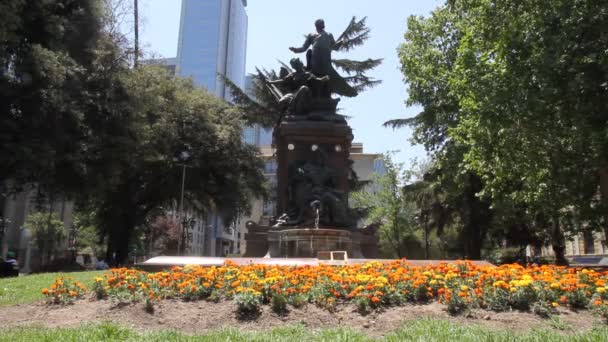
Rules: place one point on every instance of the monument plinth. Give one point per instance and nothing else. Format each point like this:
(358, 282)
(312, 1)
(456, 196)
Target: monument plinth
(314, 170)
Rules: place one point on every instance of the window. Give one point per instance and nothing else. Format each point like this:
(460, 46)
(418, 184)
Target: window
(270, 166)
(589, 241)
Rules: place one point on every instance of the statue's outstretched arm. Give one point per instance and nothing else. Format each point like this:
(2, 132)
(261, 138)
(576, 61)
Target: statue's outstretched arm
(304, 47)
(320, 79)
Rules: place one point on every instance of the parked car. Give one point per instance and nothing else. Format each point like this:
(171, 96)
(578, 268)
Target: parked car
(8, 269)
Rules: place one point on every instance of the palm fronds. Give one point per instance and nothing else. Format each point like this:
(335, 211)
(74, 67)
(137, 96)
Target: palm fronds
(399, 123)
(355, 34)
(349, 66)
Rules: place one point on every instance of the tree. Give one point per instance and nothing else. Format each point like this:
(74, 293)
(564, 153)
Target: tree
(165, 117)
(86, 232)
(540, 130)
(428, 58)
(164, 234)
(46, 50)
(432, 211)
(387, 207)
(515, 87)
(47, 231)
(263, 108)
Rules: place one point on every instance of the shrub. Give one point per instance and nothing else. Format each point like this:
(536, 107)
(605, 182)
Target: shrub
(64, 291)
(298, 300)
(248, 302)
(278, 303)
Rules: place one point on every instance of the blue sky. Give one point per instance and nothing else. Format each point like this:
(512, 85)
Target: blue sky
(274, 25)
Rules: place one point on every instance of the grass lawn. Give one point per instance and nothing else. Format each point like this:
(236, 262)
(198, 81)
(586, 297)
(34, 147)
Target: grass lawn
(421, 330)
(26, 289)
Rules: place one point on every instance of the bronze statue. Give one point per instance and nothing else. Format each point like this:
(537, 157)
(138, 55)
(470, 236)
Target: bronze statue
(312, 185)
(299, 86)
(319, 61)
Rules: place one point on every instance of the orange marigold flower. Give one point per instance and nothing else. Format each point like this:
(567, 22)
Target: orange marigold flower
(45, 291)
(375, 300)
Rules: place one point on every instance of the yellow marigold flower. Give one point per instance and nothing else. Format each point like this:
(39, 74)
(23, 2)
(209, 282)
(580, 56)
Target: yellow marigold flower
(600, 290)
(554, 286)
(554, 304)
(464, 288)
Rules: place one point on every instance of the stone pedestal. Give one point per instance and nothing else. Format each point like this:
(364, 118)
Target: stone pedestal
(307, 242)
(256, 239)
(312, 193)
(298, 141)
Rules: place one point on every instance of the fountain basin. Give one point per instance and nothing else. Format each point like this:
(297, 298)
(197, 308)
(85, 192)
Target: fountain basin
(307, 242)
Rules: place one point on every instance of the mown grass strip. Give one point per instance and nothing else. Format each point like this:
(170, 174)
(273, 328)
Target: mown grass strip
(26, 289)
(420, 330)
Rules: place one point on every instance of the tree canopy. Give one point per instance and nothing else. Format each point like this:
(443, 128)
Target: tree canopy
(512, 96)
(81, 122)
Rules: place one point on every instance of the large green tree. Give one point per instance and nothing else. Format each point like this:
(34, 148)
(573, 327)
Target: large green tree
(428, 58)
(46, 51)
(518, 89)
(532, 78)
(168, 123)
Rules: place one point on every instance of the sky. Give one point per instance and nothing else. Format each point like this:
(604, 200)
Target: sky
(274, 25)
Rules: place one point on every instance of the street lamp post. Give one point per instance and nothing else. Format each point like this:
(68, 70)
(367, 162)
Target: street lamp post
(180, 210)
(183, 157)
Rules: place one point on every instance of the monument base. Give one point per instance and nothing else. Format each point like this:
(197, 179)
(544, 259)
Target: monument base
(307, 242)
(304, 242)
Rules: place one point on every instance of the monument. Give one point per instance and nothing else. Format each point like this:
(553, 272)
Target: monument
(314, 173)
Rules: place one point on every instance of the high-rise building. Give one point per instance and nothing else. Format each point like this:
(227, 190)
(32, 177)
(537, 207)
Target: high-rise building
(212, 40)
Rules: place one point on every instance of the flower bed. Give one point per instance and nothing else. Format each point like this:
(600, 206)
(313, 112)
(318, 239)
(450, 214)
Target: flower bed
(460, 285)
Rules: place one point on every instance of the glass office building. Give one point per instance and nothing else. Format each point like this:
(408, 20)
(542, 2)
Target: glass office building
(212, 40)
(256, 135)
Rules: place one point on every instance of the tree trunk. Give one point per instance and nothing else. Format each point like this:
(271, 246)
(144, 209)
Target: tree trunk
(426, 237)
(48, 244)
(604, 193)
(558, 242)
(478, 216)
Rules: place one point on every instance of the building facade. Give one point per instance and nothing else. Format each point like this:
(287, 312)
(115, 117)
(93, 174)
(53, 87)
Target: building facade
(584, 244)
